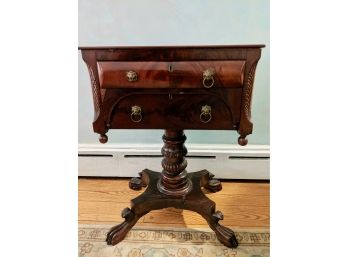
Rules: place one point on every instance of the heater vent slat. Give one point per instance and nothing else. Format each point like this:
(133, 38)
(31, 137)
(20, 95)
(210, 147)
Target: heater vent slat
(143, 156)
(201, 156)
(161, 156)
(95, 155)
(248, 157)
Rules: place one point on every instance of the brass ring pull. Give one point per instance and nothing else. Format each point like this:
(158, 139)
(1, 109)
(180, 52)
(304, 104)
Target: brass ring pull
(136, 114)
(208, 78)
(209, 85)
(132, 76)
(205, 116)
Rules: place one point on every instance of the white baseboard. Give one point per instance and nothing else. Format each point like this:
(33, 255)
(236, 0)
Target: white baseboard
(225, 161)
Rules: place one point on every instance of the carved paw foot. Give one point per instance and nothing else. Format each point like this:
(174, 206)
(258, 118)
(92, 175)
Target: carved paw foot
(225, 235)
(119, 232)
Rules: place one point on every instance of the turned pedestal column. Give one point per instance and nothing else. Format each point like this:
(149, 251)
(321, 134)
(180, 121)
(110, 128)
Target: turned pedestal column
(174, 181)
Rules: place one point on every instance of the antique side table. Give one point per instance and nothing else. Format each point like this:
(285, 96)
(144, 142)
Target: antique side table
(173, 88)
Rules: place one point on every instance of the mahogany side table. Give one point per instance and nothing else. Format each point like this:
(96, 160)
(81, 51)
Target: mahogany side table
(173, 88)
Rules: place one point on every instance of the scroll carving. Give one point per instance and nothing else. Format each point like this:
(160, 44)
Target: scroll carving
(248, 92)
(97, 97)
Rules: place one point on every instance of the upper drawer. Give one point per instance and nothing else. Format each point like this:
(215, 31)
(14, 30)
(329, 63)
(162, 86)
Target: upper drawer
(185, 74)
(207, 74)
(121, 74)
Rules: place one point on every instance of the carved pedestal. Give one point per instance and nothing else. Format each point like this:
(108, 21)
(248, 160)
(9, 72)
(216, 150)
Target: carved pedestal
(174, 187)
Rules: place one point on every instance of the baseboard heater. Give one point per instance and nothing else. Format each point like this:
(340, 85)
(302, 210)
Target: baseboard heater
(225, 161)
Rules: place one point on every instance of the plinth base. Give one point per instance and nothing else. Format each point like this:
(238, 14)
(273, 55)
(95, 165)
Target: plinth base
(195, 200)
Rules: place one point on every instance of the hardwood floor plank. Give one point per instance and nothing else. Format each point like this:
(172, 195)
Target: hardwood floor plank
(108, 196)
(243, 204)
(245, 216)
(101, 211)
(125, 197)
(121, 185)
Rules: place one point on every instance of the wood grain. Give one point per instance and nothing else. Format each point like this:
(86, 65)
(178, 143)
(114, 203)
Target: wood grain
(122, 92)
(179, 111)
(169, 69)
(150, 74)
(222, 198)
(121, 185)
(170, 74)
(244, 205)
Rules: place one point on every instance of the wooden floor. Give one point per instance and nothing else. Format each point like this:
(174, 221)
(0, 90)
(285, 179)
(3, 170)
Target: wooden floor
(244, 204)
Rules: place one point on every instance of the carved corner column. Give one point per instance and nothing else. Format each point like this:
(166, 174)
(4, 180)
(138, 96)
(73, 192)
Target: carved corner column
(174, 181)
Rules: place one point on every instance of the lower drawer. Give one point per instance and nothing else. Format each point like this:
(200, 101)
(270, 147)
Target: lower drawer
(175, 111)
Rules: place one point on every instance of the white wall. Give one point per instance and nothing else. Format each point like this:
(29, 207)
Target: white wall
(182, 22)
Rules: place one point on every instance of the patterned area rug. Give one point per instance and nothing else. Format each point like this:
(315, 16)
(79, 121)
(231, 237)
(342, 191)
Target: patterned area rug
(161, 242)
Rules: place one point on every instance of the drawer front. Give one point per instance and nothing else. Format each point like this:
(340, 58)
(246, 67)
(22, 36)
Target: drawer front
(147, 74)
(185, 74)
(208, 74)
(176, 111)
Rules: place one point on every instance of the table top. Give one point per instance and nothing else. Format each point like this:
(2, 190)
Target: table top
(169, 46)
